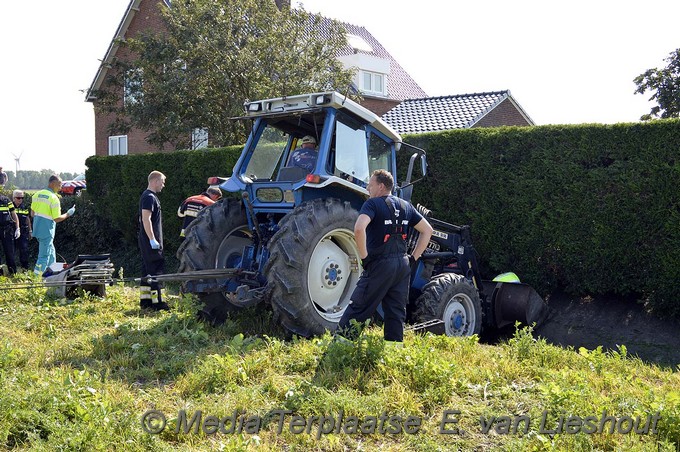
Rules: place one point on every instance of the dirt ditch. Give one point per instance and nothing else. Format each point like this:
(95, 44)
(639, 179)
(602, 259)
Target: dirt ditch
(610, 321)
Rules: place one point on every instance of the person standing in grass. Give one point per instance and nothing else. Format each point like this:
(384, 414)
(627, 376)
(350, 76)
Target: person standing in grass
(46, 213)
(9, 230)
(150, 240)
(380, 231)
(24, 227)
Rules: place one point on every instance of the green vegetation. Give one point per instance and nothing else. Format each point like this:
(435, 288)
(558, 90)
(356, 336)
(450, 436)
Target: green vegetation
(79, 375)
(116, 183)
(664, 85)
(592, 209)
(34, 180)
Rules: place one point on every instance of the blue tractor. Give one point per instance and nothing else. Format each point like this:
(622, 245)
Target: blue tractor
(289, 241)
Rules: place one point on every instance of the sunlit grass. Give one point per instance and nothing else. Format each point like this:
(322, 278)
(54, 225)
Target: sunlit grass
(79, 375)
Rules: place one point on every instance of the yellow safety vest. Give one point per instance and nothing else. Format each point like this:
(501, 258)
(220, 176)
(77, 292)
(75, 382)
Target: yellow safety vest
(45, 203)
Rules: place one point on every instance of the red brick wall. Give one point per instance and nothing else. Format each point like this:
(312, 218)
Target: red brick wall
(379, 106)
(147, 18)
(505, 114)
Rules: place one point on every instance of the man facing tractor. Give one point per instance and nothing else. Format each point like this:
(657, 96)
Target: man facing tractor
(380, 232)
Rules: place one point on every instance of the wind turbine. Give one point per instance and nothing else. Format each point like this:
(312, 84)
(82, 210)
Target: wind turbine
(17, 163)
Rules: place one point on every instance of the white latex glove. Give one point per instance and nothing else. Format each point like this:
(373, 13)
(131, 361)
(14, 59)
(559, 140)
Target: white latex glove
(17, 233)
(71, 211)
(154, 244)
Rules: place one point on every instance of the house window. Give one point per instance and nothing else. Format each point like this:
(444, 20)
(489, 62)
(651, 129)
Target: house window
(372, 82)
(199, 138)
(118, 145)
(132, 90)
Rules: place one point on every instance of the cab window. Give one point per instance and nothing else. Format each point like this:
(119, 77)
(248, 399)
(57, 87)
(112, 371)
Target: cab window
(267, 153)
(379, 154)
(351, 149)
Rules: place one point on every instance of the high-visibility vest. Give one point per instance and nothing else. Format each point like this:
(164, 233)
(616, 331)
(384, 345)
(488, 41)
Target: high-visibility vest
(45, 203)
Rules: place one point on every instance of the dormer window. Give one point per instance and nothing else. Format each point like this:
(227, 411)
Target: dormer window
(373, 82)
(358, 43)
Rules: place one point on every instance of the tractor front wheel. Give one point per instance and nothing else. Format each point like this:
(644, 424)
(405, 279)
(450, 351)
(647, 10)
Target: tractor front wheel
(451, 298)
(314, 266)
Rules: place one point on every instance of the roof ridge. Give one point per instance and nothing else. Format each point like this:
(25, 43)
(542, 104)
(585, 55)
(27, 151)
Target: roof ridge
(330, 19)
(450, 96)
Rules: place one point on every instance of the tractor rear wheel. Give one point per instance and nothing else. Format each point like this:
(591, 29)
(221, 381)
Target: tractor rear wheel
(314, 266)
(215, 239)
(451, 298)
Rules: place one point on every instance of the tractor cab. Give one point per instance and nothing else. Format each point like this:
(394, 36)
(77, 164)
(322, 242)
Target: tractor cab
(350, 143)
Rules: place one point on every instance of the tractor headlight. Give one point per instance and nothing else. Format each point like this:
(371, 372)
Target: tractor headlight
(322, 99)
(254, 107)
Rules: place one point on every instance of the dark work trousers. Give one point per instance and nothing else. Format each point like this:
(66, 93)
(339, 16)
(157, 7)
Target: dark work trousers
(8, 247)
(21, 244)
(385, 280)
(153, 263)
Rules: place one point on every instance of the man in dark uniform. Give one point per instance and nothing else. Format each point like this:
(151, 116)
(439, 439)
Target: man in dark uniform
(150, 242)
(380, 233)
(191, 206)
(9, 230)
(25, 231)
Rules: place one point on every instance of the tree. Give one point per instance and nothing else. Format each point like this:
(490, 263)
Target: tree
(214, 55)
(29, 179)
(665, 83)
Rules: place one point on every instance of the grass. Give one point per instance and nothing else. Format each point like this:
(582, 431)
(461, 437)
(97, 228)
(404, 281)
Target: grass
(79, 375)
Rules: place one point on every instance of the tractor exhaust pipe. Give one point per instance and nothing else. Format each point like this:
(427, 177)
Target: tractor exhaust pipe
(515, 302)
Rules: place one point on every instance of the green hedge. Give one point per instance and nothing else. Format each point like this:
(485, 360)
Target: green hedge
(114, 184)
(589, 208)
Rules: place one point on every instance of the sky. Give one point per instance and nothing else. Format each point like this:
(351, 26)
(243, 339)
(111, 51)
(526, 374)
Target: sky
(565, 62)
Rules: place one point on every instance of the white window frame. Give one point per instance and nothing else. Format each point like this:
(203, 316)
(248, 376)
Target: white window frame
(118, 145)
(373, 77)
(199, 138)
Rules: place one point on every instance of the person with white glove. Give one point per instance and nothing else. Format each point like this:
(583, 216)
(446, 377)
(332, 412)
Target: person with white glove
(46, 213)
(150, 241)
(24, 229)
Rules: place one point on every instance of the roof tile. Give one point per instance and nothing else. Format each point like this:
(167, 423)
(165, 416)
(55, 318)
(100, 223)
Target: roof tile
(432, 114)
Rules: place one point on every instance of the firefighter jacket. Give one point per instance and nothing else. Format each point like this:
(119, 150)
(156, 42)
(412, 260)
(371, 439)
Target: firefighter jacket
(191, 207)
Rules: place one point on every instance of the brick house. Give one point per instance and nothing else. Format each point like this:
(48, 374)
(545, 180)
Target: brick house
(463, 111)
(382, 82)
